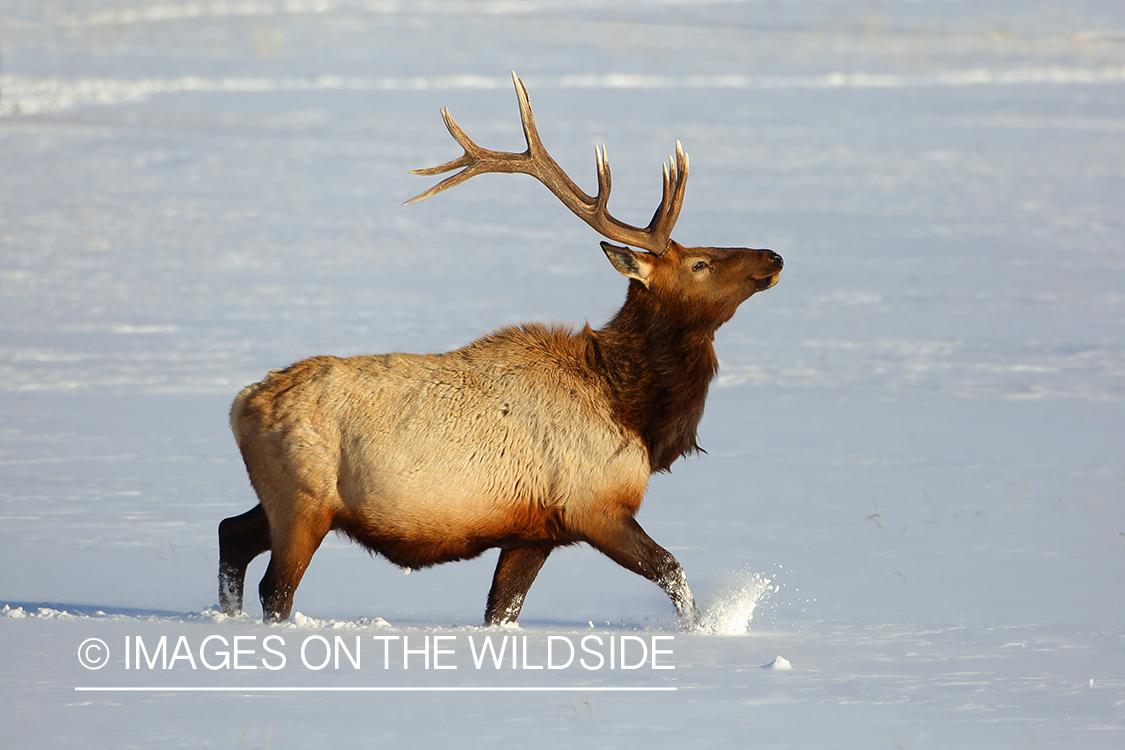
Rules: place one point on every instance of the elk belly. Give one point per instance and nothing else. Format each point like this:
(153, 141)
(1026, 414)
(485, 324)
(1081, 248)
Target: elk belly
(430, 515)
(424, 498)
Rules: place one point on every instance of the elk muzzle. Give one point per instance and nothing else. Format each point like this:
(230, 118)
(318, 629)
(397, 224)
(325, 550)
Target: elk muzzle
(767, 276)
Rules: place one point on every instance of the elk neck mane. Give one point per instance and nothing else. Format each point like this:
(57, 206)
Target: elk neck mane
(658, 369)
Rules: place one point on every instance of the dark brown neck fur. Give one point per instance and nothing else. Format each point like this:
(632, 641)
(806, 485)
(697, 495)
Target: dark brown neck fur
(658, 368)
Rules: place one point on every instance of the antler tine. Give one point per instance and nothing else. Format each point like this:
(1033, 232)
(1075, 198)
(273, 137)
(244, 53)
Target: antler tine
(467, 160)
(601, 156)
(671, 199)
(681, 186)
(462, 139)
(527, 118)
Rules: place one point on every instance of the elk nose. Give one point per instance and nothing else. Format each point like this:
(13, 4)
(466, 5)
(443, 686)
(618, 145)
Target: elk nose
(777, 259)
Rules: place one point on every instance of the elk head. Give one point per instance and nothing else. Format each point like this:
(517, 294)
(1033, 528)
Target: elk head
(705, 284)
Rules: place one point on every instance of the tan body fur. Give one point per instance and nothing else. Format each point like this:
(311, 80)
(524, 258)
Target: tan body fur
(427, 459)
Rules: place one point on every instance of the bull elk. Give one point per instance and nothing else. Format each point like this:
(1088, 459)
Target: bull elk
(531, 438)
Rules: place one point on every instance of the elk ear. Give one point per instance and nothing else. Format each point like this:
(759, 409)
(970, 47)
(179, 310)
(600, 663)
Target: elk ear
(629, 263)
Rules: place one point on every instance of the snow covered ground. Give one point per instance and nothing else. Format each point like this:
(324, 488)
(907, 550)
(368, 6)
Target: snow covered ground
(915, 486)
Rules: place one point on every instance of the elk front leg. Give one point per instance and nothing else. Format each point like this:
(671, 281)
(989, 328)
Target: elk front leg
(515, 572)
(241, 539)
(629, 546)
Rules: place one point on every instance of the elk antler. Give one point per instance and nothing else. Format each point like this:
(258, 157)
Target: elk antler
(538, 163)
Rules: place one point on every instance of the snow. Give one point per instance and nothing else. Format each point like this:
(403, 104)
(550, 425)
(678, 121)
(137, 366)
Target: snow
(779, 662)
(913, 488)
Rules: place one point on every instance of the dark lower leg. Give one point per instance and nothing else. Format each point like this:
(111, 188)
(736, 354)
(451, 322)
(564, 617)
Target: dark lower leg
(515, 572)
(276, 591)
(241, 539)
(629, 546)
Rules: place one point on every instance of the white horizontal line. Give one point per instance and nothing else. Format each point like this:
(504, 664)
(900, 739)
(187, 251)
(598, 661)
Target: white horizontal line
(24, 95)
(372, 689)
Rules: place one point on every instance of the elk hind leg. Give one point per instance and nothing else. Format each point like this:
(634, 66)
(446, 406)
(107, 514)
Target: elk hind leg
(241, 539)
(629, 546)
(291, 550)
(515, 572)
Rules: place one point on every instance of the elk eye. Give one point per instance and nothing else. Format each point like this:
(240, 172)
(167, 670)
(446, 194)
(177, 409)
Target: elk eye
(699, 266)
